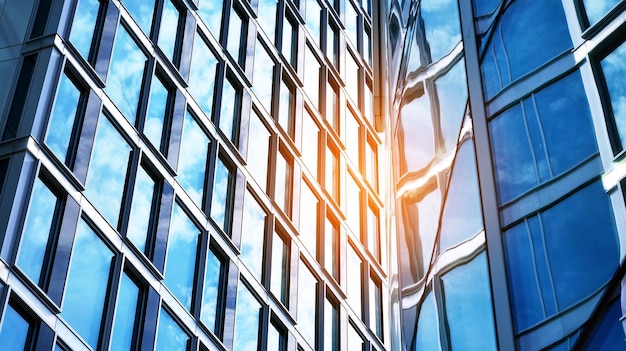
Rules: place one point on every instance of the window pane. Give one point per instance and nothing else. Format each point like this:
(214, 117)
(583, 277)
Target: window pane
(307, 297)
(371, 163)
(351, 21)
(416, 133)
(354, 281)
(368, 102)
(282, 194)
(14, 332)
(253, 229)
(246, 320)
(353, 206)
(332, 107)
(180, 263)
(86, 289)
(229, 112)
(332, 173)
(373, 231)
(126, 74)
(290, 41)
(311, 76)
(263, 75)
(141, 209)
(210, 12)
(83, 26)
(442, 27)
(352, 78)
(169, 29)
(141, 11)
(194, 148)
(202, 73)
(125, 315)
(267, 17)
(352, 138)
(221, 201)
(308, 219)
(286, 108)
(613, 68)
(355, 340)
(452, 95)
(212, 280)
(331, 327)
(596, 9)
(104, 186)
(62, 118)
(280, 269)
(608, 333)
(275, 338)
(310, 142)
(170, 336)
(376, 304)
(155, 116)
(331, 248)
(36, 234)
(313, 18)
(235, 30)
(467, 294)
(332, 45)
(258, 150)
(427, 337)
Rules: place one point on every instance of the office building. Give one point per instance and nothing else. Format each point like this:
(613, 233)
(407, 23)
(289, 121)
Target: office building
(507, 137)
(185, 174)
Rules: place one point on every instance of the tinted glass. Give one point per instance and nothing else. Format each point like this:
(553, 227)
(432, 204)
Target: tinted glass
(180, 263)
(141, 209)
(170, 336)
(36, 232)
(62, 118)
(83, 25)
(169, 29)
(308, 219)
(202, 73)
(307, 288)
(258, 150)
(210, 295)
(141, 11)
(104, 186)
(194, 148)
(375, 308)
(252, 237)
(210, 12)
(313, 18)
(452, 95)
(331, 327)
(235, 29)
(596, 9)
(125, 74)
(608, 333)
(442, 27)
(267, 17)
(246, 320)
(613, 68)
(262, 75)
(286, 108)
(229, 112)
(14, 332)
(125, 315)
(290, 41)
(220, 201)
(280, 270)
(311, 76)
(310, 142)
(86, 289)
(155, 116)
(354, 281)
(282, 194)
(427, 336)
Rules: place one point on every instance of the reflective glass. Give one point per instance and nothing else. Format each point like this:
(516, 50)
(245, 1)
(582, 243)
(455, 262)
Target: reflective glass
(371, 164)
(170, 336)
(194, 147)
(221, 201)
(354, 281)
(258, 150)
(252, 235)
(331, 247)
(210, 295)
(539, 27)
(311, 76)
(467, 294)
(310, 142)
(141, 11)
(125, 315)
(307, 295)
(375, 308)
(484, 7)
(155, 116)
(367, 46)
(353, 206)
(123, 83)
(246, 320)
(351, 22)
(36, 234)
(608, 334)
(282, 189)
(332, 173)
(331, 327)
(290, 41)
(332, 106)
(442, 26)
(267, 18)
(355, 340)
(373, 231)
(452, 95)
(352, 78)
(313, 19)
(180, 264)
(427, 336)
(210, 12)
(202, 73)
(352, 137)
(141, 209)
(104, 186)
(368, 103)
(308, 219)
(596, 9)
(416, 133)
(262, 75)
(169, 29)
(14, 332)
(84, 25)
(286, 108)
(280, 270)
(462, 213)
(332, 44)
(235, 35)
(613, 68)
(275, 338)
(86, 287)
(62, 118)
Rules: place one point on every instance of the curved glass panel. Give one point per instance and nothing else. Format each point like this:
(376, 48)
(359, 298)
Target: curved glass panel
(416, 140)
(427, 336)
(607, 334)
(452, 95)
(442, 27)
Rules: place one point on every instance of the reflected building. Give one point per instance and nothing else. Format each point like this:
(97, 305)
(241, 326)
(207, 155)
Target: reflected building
(506, 129)
(192, 175)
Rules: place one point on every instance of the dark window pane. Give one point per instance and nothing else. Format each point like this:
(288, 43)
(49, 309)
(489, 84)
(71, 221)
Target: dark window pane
(483, 7)
(253, 229)
(104, 186)
(141, 11)
(202, 74)
(290, 41)
(331, 326)
(467, 293)
(221, 201)
(36, 234)
(442, 27)
(354, 282)
(170, 336)
(613, 69)
(141, 208)
(84, 24)
(125, 75)
(376, 305)
(14, 332)
(246, 320)
(180, 264)
(607, 334)
(307, 297)
(229, 112)
(85, 293)
(212, 280)
(155, 117)
(284, 172)
(62, 118)
(125, 315)
(194, 148)
(286, 108)
(169, 29)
